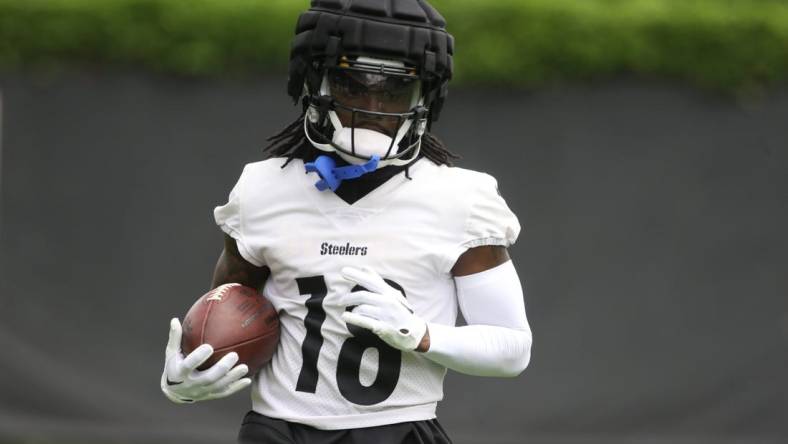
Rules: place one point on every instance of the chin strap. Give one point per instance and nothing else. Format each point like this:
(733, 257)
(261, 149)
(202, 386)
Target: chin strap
(331, 176)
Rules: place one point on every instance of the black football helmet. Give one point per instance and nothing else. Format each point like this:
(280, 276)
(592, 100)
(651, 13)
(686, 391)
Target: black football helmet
(370, 73)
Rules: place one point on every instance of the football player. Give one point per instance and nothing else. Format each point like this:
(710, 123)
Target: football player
(367, 241)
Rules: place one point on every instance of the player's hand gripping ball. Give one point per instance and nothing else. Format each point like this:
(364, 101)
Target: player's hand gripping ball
(232, 318)
(229, 325)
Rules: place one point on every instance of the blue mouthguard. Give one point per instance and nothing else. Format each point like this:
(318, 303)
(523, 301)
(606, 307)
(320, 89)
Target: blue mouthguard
(331, 176)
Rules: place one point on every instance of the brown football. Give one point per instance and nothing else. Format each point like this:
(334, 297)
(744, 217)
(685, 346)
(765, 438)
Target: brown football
(232, 318)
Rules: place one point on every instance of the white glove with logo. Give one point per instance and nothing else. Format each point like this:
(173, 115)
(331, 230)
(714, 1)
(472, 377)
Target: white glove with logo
(382, 309)
(183, 383)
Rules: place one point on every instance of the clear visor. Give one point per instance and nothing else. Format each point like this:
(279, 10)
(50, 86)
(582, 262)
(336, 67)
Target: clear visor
(374, 92)
(372, 100)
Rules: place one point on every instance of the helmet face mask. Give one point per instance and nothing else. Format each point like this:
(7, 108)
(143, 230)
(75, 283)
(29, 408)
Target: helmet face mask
(368, 107)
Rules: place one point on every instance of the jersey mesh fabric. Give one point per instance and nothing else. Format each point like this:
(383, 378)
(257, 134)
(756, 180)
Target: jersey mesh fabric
(410, 231)
(229, 217)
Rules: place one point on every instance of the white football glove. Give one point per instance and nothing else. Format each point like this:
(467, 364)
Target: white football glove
(183, 383)
(382, 309)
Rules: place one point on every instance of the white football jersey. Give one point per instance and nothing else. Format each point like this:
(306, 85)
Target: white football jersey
(411, 231)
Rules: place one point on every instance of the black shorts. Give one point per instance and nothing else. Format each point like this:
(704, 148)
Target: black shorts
(259, 429)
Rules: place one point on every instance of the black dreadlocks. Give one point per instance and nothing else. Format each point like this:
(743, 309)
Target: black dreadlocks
(292, 143)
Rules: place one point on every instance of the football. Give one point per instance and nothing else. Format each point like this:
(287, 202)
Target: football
(232, 318)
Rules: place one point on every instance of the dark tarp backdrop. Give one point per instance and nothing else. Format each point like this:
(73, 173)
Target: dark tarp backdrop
(653, 256)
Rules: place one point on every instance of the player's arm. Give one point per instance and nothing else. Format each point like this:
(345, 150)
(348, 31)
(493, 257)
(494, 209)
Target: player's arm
(476, 260)
(232, 267)
(497, 339)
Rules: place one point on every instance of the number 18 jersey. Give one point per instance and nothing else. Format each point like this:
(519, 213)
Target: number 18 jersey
(411, 231)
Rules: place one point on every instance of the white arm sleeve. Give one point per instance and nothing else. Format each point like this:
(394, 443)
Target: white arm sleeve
(497, 339)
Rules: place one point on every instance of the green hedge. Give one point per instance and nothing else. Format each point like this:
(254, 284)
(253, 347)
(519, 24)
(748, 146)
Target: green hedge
(720, 44)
